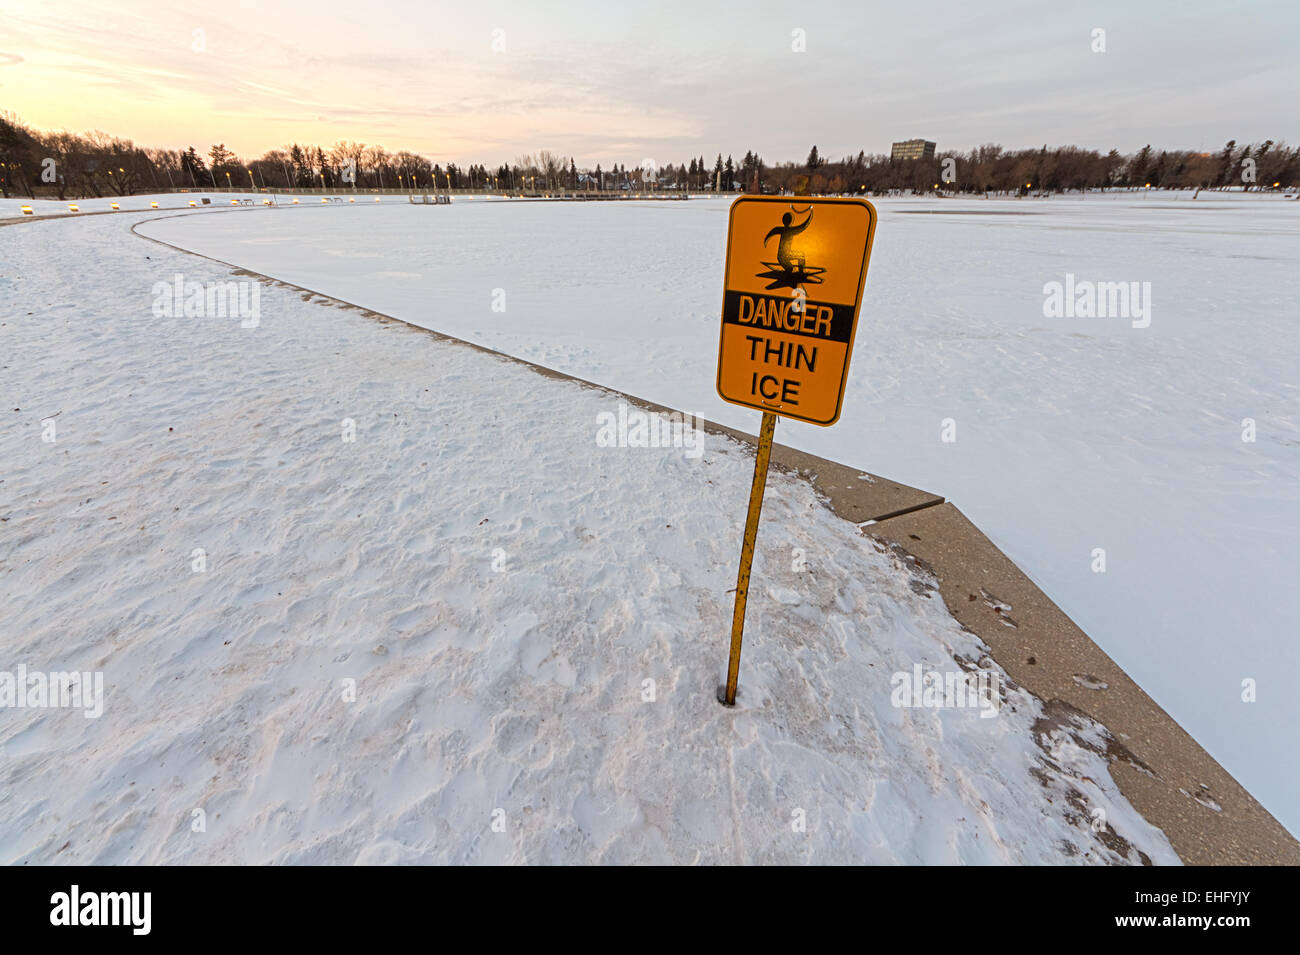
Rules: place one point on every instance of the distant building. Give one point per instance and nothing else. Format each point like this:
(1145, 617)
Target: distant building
(913, 149)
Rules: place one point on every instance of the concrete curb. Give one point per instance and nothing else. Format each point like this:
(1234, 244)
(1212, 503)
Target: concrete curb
(1174, 783)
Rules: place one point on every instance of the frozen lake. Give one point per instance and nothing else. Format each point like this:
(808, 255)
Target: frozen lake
(1072, 434)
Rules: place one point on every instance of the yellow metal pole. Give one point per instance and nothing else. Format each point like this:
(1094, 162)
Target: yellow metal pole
(747, 551)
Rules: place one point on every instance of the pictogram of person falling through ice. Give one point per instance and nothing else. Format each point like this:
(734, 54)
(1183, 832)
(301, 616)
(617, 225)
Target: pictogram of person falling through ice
(791, 269)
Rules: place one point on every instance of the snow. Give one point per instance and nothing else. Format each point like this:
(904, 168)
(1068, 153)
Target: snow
(497, 585)
(1072, 434)
(12, 207)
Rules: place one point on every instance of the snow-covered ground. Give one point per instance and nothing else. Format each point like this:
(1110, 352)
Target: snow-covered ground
(1072, 434)
(13, 206)
(436, 642)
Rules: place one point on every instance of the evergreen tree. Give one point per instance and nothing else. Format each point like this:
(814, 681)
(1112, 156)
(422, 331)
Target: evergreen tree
(192, 163)
(298, 161)
(14, 154)
(1225, 162)
(1139, 167)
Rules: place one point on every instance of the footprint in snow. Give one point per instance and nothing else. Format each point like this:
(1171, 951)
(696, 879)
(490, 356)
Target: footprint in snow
(783, 595)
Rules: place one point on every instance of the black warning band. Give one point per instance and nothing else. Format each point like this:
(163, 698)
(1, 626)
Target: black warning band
(791, 315)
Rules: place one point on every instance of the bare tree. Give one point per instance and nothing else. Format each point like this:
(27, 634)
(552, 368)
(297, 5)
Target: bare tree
(551, 166)
(376, 158)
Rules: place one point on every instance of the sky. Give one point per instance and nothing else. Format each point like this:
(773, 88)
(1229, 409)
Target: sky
(624, 81)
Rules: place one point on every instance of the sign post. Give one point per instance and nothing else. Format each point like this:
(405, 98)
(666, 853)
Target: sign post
(747, 552)
(795, 271)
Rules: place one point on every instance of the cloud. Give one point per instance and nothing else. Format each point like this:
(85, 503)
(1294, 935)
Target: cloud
(617, 83)
(10, 59)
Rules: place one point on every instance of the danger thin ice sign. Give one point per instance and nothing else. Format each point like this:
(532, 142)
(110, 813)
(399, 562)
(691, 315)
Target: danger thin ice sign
(794, 276)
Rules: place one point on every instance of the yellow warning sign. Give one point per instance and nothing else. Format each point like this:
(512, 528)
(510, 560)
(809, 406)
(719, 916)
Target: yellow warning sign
(793, 282)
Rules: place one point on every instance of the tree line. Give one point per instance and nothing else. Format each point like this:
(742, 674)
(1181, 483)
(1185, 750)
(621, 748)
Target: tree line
(992, 169)
(67, 164)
